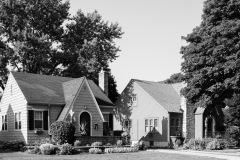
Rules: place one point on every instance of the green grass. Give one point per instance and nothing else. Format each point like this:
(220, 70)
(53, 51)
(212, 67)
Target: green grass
(141, 155)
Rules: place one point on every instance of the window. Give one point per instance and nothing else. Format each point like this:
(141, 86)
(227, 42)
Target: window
(38, 119)
(134, 100)
(18, 124)
(4, 122)
(106, 117)
(175, 126)
(151, 125)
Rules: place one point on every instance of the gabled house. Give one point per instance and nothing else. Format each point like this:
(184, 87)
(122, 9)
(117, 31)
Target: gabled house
(151, 112)
(32, 102)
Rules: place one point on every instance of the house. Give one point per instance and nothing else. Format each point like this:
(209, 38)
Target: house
(32, 102)
(151, 112)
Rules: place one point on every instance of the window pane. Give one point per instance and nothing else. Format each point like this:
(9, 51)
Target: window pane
(130, 123)
(20, 125)
(2, 122)
(155, 122)
(151, 128)
(38, 124)
(177, 122)
(5, 126)
(151, 122)
(146, 122)
(146, 128)
(38, 115)
(172, 122)
(126, 124)
(5, 118)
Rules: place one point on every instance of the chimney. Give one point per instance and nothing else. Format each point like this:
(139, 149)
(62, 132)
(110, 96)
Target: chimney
(103, 81)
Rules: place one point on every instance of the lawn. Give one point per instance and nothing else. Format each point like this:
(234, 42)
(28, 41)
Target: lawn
(142, 155)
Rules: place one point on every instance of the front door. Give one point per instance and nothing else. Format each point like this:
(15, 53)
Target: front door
(85, 124)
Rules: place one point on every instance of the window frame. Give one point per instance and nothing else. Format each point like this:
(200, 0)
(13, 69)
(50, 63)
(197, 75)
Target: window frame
(175, 126)
(134, 100)
(38, 119)
(104, 117)
(151, 127)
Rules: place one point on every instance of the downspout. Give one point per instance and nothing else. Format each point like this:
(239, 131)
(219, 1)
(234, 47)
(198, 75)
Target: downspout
(168, 137)
(48, 119)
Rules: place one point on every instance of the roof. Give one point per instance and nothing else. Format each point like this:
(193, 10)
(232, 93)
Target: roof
(167, 95)
(49, 89)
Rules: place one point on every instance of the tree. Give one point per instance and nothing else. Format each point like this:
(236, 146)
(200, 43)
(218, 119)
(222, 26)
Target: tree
(175, 78)
(212, 57)
(42, 38)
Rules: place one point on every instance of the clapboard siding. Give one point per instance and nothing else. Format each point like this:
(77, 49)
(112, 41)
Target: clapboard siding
(84, 98)
(54, 111)
(13, 101)
(146, 108)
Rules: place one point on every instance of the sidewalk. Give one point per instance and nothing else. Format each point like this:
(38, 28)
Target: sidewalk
(215, 154)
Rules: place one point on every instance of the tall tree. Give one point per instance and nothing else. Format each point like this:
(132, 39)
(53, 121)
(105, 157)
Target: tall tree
(212, 57)
(35, 39)
(175, 78)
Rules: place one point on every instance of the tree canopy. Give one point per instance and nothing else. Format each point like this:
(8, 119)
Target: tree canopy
(212, 57)
(175, 78)
(41, 37)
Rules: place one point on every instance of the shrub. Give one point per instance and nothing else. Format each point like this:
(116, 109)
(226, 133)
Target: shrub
(67, 149)
(126, 138)
(96, 144)
(216, 144)
(140, 145)
(13, 145)
(119, 142)
(121, 150)
(195, 144)
(77, 143)
(95, 151)
(108, 144)
(42, 141)
(62, 132)
(47, 149)
(35, 150)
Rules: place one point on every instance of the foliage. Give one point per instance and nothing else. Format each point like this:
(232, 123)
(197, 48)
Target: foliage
(119, 142)
(47, 40)
(62, 132)
(175, 78)
(216, 144)
(77, 143)
(232, 119)
(42, 141)
(96, 144)
(47, 149)
(12, 145)
(95, 151)
(66, 149)
(232, 135)
(211, 64)
(35, 150)
(195, 144)
(121, 150)
(126, 137)
(140, 145)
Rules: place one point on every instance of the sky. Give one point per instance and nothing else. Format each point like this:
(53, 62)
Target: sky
(150, 45)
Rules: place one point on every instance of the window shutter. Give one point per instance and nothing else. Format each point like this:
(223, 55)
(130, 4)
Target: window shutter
(31, 119)
(45, 120)
(111, 121)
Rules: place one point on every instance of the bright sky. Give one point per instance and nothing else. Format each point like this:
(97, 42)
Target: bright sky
(152, 29)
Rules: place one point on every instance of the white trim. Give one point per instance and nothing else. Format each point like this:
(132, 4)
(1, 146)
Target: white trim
(95, 101)
(151, 98)
(91, 128)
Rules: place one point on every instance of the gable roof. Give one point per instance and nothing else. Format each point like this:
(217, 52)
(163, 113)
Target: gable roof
(49, 89)
(167, 95)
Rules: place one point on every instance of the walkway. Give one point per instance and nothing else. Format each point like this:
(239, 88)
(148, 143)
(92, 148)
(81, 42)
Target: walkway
(215, 154)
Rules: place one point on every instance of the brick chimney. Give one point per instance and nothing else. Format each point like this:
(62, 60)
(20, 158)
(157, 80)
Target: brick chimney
(103, 81)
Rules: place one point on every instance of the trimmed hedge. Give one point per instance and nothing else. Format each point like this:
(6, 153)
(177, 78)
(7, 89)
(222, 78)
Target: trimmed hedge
(13, 145)
(62, 132)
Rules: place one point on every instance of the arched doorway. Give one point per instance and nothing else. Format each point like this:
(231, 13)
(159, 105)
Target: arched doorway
(210, 124)
(85, 124)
